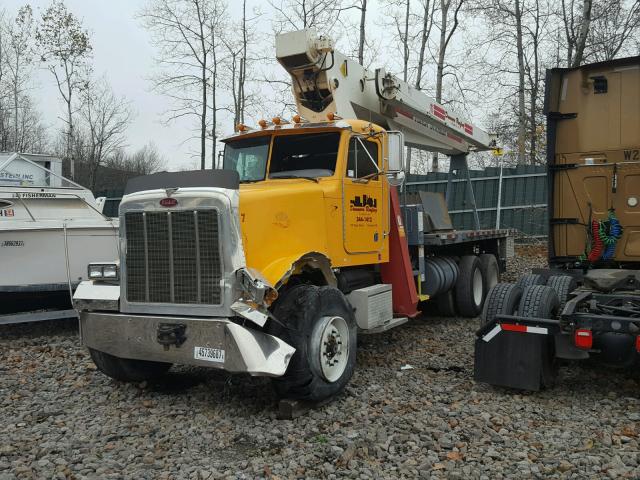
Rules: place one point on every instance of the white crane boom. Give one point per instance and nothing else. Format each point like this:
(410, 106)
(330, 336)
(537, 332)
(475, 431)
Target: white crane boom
(326, 81)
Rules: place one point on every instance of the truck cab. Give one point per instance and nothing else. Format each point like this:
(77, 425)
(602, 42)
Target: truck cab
(319, 189)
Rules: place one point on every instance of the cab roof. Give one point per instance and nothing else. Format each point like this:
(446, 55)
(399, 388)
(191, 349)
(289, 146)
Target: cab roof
(354, 125)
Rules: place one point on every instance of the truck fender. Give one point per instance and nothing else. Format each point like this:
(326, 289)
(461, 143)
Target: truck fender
(279, 271)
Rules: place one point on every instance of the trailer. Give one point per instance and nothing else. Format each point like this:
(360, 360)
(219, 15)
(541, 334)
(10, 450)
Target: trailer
(586, 305)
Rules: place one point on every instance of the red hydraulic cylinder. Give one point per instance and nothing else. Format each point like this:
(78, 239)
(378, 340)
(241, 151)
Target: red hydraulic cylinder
(398, 271)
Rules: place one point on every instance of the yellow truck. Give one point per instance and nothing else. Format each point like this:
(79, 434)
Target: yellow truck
(587, 303)
(275, 263)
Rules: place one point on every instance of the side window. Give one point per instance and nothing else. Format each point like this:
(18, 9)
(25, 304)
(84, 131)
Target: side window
(359, 162)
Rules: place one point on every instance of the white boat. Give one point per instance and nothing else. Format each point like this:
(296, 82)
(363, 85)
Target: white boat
(50, 229)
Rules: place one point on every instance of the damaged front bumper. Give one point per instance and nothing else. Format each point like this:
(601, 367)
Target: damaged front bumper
(207, 342)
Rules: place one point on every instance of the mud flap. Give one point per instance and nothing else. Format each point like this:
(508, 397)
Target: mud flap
(521, 360)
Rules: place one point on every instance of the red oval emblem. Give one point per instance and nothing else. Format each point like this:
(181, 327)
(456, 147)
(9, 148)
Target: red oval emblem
(168, 202)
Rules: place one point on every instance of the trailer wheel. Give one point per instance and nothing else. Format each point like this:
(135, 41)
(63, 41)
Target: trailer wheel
(542, 302)
(503, 299)
(563, 286)
(490, 270)
(126, 369)
(530, 279)
(470, 290)
(319, 323)
(446, 304)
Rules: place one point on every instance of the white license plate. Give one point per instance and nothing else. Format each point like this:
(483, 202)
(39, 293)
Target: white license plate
(208, 354)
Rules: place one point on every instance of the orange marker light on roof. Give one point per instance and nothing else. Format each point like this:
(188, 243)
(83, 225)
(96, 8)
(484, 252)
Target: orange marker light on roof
(276, 120)
(241, 127)
(297, 119)
(331, 116)
(263, 123)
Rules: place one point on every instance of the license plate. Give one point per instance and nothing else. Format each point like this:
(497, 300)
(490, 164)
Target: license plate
(208, 354)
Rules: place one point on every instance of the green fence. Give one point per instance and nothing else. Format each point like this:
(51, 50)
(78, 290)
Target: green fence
(523, 198)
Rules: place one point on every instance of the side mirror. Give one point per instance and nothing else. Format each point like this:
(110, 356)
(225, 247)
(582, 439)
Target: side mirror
(395, 158)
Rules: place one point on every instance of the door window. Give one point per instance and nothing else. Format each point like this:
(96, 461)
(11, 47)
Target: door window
(363, 158)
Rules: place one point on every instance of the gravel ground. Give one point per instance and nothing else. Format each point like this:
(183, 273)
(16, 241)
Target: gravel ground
(63, 419)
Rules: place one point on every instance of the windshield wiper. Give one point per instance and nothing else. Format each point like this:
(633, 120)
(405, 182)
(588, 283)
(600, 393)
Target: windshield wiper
(294, 176)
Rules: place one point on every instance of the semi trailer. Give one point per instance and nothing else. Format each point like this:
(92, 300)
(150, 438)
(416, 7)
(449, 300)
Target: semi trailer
(586, 304)
(274, 263)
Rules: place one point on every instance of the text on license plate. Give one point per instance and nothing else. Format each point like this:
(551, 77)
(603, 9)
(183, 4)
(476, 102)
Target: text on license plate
(208, 354)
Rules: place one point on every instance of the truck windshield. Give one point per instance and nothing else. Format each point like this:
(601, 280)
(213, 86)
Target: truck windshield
(248, 157)
(308, 155)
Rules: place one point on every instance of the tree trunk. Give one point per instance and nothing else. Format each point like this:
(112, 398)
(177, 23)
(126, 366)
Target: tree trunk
(444, 11)
(363, 15)
(405, 43)
(243, 61)
(584, 31)
(214, 107)
(204, 86)
(423, 44)
(521, 93)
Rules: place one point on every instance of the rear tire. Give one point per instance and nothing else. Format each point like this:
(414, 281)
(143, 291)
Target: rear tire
(530, 279)
(469, 287)
(319, 323)
(502, 299)
(490, 270)
(539, 301)
(563, 286)
(126, 369)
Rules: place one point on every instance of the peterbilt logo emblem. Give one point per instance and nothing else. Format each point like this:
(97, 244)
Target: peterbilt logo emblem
(168, 202)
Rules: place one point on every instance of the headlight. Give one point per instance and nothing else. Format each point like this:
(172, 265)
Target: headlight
(103, 271)
(110, 271)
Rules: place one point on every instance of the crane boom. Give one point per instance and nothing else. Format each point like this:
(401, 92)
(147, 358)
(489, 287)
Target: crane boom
(326, 81)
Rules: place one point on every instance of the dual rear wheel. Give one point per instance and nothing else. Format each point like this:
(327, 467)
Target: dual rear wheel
(477, 275)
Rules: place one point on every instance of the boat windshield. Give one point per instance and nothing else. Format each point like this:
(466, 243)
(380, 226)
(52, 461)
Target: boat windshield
(310, 156)
(39, 171)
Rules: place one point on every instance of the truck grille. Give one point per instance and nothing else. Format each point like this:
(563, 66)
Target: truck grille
(173, 257)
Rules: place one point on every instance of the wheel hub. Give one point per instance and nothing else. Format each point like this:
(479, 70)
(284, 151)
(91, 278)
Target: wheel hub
(333, 340)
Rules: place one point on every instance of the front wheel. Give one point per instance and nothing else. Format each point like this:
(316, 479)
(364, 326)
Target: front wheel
(319, 323)
(127, 370)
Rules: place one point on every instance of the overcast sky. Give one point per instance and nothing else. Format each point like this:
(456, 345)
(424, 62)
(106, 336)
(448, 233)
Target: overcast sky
(122, 52)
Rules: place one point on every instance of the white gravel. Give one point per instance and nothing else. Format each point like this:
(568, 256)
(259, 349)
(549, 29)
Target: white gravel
(63, 419)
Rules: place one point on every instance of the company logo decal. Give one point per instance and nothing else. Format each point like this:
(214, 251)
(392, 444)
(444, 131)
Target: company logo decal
(363, 203)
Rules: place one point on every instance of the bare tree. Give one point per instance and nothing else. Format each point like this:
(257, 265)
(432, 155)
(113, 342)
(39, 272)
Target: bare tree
(181, 31)
(19, 58)
(144, 161)
(615, 30)
(428, 10)
(64, 48)
(106, 119)
(446, 33)
(363, 24)
(576, 28)
(4, 121)
(323, 15)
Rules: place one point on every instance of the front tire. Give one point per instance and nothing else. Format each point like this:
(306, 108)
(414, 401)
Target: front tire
(127, 370)
(319, 323)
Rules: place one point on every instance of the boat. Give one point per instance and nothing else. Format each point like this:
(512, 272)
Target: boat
(51, 228)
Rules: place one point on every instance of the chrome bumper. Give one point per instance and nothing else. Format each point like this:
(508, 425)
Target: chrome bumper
(136, 337)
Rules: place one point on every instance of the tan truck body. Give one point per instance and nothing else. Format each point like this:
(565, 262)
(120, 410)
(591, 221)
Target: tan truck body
(593, 155)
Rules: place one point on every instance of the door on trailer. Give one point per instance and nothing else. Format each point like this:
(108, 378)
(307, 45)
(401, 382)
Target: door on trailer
(363, 197)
